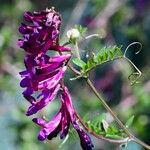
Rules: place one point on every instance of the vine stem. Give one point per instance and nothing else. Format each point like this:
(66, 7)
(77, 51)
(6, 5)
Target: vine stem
(115, 141)
(77, 50)
(130, 135)
(107, 107)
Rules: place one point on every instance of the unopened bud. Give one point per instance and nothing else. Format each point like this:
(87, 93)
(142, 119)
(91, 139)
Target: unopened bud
(73, 34)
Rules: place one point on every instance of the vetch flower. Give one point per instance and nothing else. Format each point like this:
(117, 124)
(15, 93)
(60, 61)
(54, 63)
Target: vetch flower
(48, 128)
(61, 122)
(85, 140)
(45, 97)
(43, 34)
(48, 84)
(44, 74)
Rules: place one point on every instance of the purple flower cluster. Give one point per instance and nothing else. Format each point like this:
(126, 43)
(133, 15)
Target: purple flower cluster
(44, 74)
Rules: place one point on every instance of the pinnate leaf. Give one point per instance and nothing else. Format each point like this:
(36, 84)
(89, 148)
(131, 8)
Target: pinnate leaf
(79, 62)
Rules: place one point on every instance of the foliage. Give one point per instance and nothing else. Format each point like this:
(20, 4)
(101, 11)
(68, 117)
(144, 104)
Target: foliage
(104, 55)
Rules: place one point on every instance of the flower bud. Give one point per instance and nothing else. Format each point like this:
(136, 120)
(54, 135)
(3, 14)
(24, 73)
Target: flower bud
(73, 34)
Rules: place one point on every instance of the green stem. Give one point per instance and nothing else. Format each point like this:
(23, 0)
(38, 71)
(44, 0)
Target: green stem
(107, 107)
(77, 50)
(130, 135)
(115, 141)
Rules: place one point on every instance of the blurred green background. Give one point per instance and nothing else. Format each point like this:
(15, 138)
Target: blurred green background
(118, 22)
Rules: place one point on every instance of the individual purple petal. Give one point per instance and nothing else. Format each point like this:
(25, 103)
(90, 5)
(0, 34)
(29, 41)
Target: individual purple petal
(24, 73)
(65, 123)
(25, 82)
(39, 121)
(27, 94)
(60, 48)
(25, 29)
(52, 81)
(48, 128)
(20, 43)
(49, 95)
(49, 20)
(85, 140)
(66, 98)
(28, 16)
(43, 134)
(59, 59)
(54, 133)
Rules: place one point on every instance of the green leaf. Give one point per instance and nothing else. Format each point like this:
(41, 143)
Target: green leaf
(81, 29)
(79, 62)
(104, 55)
(113, 130)
(86, 118)
(98, 119)
(129, 122)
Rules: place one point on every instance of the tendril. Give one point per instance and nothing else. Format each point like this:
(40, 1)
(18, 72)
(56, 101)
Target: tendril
(134, 43)
(91, 36)
(134, 77)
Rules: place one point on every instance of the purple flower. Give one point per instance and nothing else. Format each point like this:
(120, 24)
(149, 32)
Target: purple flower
(70, 110)
(47, 82)
(44, 74)
(48, 128)
(45, 97)
(61, 122)
(42, 33)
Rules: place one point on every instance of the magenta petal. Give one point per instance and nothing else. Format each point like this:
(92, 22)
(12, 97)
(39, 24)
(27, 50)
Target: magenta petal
(66, 98)
(43, 102)
(52, 81)
(43, 134)
(39, 121)
(48, 128)
(25, 82)
(59, 59)
(20, 43)
(28, 16)
(27, 94)
(54, 133)
(85, 140)
(24, 73)
(60, 48)
(52, 64)
(65, 123)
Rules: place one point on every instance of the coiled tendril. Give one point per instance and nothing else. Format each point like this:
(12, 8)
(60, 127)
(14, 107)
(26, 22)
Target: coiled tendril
(134, 77)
